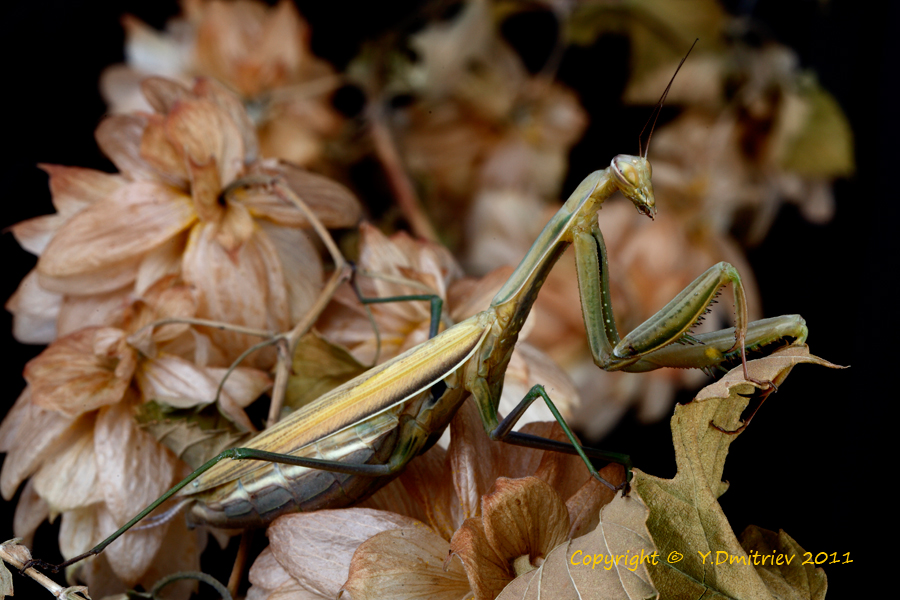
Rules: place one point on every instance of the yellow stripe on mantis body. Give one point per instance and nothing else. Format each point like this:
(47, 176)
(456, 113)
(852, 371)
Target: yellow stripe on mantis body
(372, 392)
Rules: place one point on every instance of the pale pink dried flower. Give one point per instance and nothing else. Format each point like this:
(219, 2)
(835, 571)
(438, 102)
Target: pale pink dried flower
(73, 432)
(260, 53)
(178, 207)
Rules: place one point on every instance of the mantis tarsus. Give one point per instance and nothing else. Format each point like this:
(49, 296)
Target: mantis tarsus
(354, 439)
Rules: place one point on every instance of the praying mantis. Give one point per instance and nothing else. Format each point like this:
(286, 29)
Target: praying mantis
(341, 448)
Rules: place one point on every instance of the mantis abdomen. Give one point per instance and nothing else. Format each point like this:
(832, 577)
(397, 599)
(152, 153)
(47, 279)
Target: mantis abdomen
(394, 429)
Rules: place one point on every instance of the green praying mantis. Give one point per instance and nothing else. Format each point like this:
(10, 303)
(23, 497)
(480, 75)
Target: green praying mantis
(344, 446)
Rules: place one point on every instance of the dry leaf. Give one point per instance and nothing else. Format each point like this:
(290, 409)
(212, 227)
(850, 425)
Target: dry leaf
(658, 31)
(408, 563)
(6, 584)
(824, 147)
(787, 578)
(686, 520)
(195, 436)
(617, 553)
(319, 366)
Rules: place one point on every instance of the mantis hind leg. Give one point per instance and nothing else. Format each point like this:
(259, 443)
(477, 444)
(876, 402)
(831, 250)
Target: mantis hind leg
(366, 470)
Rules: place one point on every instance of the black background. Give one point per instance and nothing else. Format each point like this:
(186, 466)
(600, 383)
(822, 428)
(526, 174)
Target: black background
(813, 461)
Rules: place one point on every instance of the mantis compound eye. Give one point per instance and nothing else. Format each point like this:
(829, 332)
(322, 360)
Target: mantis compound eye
(632, 174)
(625, 172)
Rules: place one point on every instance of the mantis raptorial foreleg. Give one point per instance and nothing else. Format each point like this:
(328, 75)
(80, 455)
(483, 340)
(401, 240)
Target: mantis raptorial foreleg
(671, 324)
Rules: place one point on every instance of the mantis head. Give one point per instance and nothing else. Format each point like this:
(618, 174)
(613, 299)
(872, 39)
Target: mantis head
(632, 177)
(632, 173)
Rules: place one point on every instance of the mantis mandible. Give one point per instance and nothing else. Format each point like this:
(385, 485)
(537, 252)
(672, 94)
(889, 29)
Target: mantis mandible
(344, 446)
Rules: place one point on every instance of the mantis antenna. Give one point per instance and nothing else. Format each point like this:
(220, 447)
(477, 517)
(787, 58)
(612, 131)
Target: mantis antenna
(658, 108)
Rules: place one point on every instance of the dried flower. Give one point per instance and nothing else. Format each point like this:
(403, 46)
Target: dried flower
(180, 206)
(185, 230)
(73, 432)
(260, 53)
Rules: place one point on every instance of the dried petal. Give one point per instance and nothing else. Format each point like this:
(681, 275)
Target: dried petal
(153, 52)
(403, 267)
(315, 548)
(234, 228)
(425, 480)
(565, 473)
(234, 108)
(165, 299)
(96, 310)
(473, 457)
(29, 435)
(201, 131)
(182, 384)
(163, 260)
(244, 288)
(78, 531)
(68, 479)
(302, 267)
(158, 151)
(119, 137)
(76, 188)
(528, 367)
(34, 311)
(405, 563)
(73, 189)
(584, 506)
(122, 451)
(205, 187)
(34, 234)
(82, 371)
(488, 573)
(469, 295)
(31, 511)
(102, 237)
(331, 202)
(162, 93)
(250, 46)
(243, 385)
(266, 573)
(524, 518)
